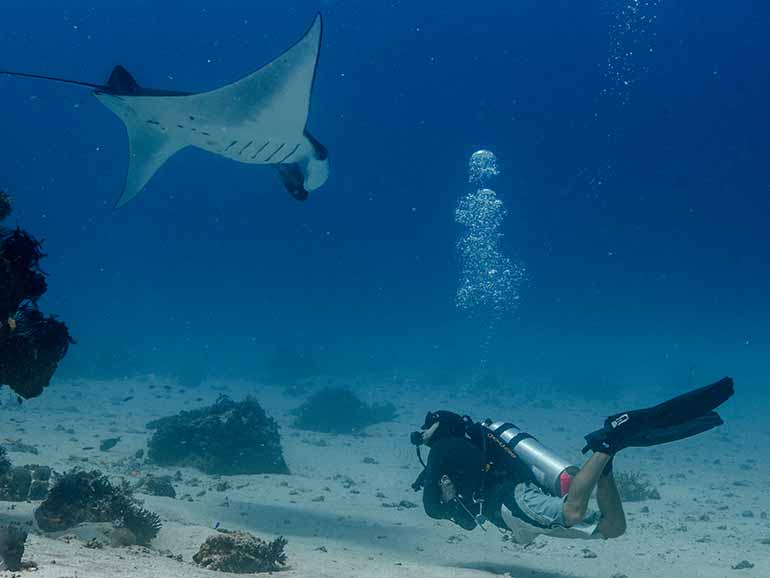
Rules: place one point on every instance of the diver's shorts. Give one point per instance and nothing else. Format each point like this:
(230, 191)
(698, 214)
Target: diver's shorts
(532, 512)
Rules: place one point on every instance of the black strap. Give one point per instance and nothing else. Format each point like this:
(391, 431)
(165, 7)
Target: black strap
(518, 438)
(419, 457)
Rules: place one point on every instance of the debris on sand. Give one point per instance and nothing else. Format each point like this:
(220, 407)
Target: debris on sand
(108, 444)
(156, 486)
(634, 487)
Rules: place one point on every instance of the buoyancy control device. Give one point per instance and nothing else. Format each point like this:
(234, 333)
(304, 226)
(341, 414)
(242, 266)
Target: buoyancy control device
(503, 444)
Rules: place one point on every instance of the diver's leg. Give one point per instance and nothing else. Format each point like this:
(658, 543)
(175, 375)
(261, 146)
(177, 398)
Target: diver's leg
(582, 486)
(613, 523)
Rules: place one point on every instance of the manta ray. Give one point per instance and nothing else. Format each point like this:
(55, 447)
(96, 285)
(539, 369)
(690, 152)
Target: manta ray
(260, 119)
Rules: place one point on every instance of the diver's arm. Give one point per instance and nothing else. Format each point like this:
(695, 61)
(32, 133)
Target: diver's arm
(437, 509)
(431, 502)
(431, 493)
(433, 498)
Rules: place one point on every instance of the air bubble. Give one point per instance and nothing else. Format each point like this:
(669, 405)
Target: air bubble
(489, 280)
(482, 168)
(630, 32)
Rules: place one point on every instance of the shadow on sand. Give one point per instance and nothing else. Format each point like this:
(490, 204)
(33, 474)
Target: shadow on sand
(401, 537)
(513, 570)
(298, 521)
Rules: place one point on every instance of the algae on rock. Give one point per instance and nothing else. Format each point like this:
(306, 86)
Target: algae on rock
(79, 496)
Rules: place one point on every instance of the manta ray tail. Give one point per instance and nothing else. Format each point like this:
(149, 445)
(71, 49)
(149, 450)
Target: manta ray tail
(52, 78)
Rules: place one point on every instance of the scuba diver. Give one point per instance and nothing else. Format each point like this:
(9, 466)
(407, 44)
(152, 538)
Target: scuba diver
(493, 471)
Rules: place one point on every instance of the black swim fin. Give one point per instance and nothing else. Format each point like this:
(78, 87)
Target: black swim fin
(678, 418)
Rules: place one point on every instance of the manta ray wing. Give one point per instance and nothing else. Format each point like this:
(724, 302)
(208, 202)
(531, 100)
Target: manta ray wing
(274, 99)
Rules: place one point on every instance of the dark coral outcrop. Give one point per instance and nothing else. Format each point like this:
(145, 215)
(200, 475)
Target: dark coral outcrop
(226, 438)
(339, 410)
(31, 344)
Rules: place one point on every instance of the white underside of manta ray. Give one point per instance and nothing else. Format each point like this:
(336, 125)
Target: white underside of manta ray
(260, 119)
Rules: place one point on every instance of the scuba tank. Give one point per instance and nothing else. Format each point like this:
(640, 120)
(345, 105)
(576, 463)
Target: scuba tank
(551, 473)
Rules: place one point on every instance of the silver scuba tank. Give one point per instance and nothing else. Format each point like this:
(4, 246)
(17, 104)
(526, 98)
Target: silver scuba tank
(552, 473)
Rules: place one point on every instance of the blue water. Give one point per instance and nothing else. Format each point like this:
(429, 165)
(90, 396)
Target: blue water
(640, 210)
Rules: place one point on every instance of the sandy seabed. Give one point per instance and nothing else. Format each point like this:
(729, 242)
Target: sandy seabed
(336, 509)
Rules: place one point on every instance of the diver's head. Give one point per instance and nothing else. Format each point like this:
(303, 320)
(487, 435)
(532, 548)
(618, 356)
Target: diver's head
(426, 436)
(439, 424)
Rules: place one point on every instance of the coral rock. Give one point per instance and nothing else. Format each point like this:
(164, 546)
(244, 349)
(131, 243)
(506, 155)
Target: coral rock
(338, 410)
(226, 438)
(21, 483)
(241, 553)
